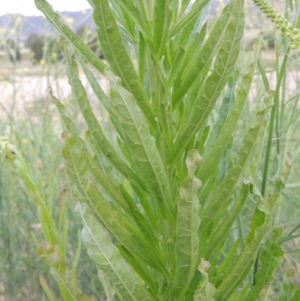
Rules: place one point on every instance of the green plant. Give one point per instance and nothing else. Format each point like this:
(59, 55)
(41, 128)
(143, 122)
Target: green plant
(13, 50)
(44, 48)
(91, 39)
(36, 44)
(33, 185)
(161, 221)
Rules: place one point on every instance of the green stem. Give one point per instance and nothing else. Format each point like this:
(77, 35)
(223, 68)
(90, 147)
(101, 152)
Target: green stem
(271, 125)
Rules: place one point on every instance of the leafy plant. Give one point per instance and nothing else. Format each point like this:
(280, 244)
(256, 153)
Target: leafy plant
(161, 199)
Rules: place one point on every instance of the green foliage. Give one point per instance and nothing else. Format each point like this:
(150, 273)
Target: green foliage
(90, 38)
(43, 47)
(163, 184)
(13, 50)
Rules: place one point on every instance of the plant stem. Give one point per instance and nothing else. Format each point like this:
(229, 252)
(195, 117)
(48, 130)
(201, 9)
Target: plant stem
(271, 125)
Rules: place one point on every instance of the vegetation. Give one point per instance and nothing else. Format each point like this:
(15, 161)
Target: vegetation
(179, 179)
(13, 50)
(43, 48)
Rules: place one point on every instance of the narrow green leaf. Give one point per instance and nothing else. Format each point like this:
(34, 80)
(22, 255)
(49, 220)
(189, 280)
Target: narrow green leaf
(149, 276)
(187, 226)
(189, 17)
(260, 227)
(192, 53)
(161, 25)
(240, 296)
(220, 234)
(230, 15)
(142, 57)
(130, 9)
(206, 289)
(228, 261)
(270, 257)
(211, 162)
(121, 226)
(105, 254)
(61, 273)
(107, 286)
(231, 179)
(68, 34)
(47, 289)
(266, 294)
(116, 54)
(100, 140)
(211, 90)
(94, 83)
(144, 153)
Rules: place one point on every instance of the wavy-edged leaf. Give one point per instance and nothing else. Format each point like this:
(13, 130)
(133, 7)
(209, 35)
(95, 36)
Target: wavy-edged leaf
(62, 274)
(206, 289)
(270, 257)
(109, 187)
(231, 179)
(230, 15)
(220, 234)
(261, 225)
(213, 86)
(211, 162)
(99, 174)
(119, 225)
(144, 153)
(107, 257)
(116, 54)
(68, 34)
(187, 227)
(107, 286)
(101, 142)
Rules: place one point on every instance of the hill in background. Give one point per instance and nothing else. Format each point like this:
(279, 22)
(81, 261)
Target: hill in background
(25, 26)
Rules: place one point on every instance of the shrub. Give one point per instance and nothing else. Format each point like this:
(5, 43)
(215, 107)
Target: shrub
(13, 50)
(36, 44)
(44, 48)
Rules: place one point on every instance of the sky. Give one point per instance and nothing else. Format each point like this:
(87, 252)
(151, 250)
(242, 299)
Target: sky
(27, 7)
